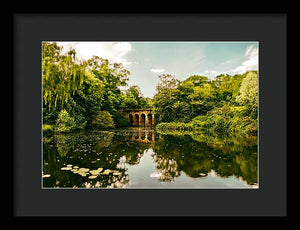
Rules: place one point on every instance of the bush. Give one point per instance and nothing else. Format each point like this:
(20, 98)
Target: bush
(80, 121)
(48, 128)
(164, 126)
(65, 123)
(121, 121)
(243, 126)
(103, 120)
(223, 121)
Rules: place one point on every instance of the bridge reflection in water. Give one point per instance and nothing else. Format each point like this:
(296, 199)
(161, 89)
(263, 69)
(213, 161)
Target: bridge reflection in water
(143, 135)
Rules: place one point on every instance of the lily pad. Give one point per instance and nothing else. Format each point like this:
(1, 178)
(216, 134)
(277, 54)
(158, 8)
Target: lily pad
(83, 170)
(92, 177)
(66, 168)
(94, 172)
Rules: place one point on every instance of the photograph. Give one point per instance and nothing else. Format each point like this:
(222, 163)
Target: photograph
(150, 114)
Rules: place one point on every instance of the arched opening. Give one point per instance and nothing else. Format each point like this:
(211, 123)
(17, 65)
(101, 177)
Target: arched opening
(136, 119)
(131, 119)
(143, 119)
(143, 135)
(150, 136)
(150, 119)
(136, 135)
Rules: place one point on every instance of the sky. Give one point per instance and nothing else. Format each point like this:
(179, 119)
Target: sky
(147, 60)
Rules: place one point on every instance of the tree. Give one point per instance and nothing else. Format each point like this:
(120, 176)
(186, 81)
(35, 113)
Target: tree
(65, 123)
(249, 92)
(227, 87)
(61, 75)
(89, 97)
(82, 88)
(103, 120)
(113, 76)
(167, 81)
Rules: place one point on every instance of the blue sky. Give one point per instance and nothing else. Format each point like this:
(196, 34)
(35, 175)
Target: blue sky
(146, 60)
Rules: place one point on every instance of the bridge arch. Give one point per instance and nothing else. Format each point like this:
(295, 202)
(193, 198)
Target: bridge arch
(139, 117)
(136, 119)
(130, 119)
(150, 119)
(143, 120)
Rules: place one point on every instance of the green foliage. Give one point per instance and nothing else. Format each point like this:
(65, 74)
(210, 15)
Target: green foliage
(167, 81)
(65, 123)
(249, 93)
(103, 120)
(228, 86)
(243, 126)
(222, 107)
(133, 99)
(128, 101)
(47, 128)
(230, 120)
(61, 74)
(224, 121)
(164, 126)
(86, 94)
(120, 120)
(84, 88)
(184, 100)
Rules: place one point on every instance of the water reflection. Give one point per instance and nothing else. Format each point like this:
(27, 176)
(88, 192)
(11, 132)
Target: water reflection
(140, 157)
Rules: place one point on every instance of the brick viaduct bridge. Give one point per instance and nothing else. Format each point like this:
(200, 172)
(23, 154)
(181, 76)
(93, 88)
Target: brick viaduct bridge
(139, 117)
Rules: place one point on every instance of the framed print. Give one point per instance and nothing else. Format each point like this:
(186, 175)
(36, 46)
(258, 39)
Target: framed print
(151, 115)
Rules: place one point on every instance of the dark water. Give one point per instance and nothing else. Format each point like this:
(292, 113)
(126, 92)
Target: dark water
(142, 158)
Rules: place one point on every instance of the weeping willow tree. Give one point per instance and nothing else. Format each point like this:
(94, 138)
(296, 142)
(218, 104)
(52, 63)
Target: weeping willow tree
(81, 88)
(62, 75)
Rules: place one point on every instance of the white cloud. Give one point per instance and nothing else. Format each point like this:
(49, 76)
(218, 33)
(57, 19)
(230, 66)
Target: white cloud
(212, 72)
(251, 62)
(113, 51)
(157, 70)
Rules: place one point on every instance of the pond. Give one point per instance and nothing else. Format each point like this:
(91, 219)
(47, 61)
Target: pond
(144, 158)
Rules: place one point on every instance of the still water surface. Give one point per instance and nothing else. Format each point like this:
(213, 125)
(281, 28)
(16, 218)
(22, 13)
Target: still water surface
(143, 158)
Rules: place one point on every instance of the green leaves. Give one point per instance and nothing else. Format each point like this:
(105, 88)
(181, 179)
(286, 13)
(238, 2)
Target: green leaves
(209, 106)
(81, 88)
(65, 123)
(103, 120)
(62, 76)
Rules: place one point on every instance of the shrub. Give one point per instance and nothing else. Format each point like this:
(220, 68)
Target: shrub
(48, 128)
(223, 121)
(103, 120)
(65, 123)
(120, 120)
(80, 121)
(243, 126)
(174, 126)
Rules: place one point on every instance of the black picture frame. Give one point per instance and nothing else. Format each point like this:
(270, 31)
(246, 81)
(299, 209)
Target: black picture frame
(29, 30)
